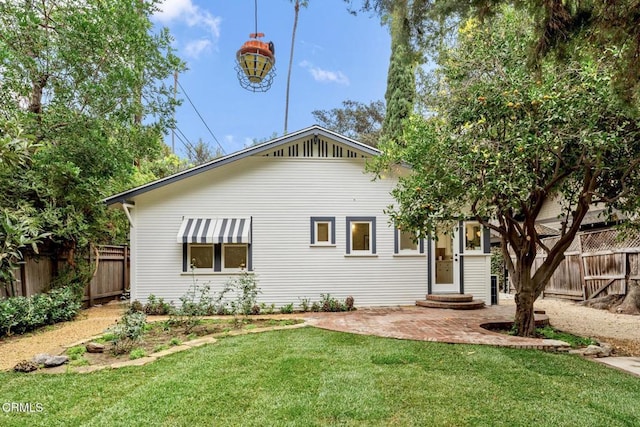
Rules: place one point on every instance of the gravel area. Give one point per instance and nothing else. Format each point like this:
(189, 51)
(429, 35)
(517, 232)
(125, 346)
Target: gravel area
(622, 331)
(53, 339)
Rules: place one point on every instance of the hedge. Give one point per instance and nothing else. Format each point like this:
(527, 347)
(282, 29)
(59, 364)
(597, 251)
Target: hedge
(23, 314)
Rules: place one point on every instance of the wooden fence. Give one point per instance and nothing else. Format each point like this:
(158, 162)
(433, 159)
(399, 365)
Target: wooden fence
(110, 277)
(597, 264)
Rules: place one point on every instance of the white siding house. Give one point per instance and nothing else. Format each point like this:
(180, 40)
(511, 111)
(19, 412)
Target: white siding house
(302, 215)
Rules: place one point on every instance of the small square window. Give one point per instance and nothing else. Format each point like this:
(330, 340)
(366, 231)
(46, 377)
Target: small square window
(408, 241)
(201, 256)
(323, 231)
(234, 256)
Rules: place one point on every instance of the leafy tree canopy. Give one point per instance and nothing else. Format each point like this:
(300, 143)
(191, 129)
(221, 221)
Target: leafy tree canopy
(82, 86)
(357, 120)
(505, 140)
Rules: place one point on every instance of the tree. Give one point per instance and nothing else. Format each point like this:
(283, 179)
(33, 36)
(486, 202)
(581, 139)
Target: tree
(84, 80)
(505, 140)
(296, 9)
(356, 120)
(401, 79)
(201, 153)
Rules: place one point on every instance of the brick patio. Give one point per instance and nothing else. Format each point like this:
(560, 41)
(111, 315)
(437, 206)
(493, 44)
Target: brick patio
(432, 324)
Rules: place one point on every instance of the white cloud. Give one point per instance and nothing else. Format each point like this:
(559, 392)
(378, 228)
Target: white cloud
(185, 11)
(321, 75)
(194, 48)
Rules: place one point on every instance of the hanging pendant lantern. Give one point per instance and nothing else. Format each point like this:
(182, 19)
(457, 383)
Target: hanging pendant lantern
(256, 64)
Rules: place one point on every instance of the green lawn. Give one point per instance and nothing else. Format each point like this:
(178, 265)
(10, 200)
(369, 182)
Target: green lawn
(313, 377)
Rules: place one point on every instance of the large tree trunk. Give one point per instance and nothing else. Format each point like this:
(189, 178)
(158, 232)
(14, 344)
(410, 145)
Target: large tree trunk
(631, 303)
(524, 321)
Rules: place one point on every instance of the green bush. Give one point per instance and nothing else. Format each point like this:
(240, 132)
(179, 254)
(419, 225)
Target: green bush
(127, 332)
(287, 309)
(22, 314)
(157, 306)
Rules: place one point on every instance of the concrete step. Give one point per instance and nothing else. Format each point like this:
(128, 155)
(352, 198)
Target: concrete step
(461, 305)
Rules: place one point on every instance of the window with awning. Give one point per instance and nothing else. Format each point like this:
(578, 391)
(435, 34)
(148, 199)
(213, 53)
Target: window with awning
(215, 244)
(215, 230)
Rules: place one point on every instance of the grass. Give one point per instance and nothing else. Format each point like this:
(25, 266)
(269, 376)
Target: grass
(312, 377)
(573, 340)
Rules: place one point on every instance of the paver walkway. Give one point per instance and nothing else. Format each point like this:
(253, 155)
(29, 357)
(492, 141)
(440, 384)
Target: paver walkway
(431, 324)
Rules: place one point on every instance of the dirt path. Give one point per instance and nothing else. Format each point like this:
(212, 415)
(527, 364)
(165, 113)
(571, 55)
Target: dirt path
(620, 330)
(52, 340)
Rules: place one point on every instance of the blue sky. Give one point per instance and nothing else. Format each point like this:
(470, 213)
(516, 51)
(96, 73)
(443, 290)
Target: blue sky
(337, 57)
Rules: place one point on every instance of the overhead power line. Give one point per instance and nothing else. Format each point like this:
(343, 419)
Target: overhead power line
(201, 118)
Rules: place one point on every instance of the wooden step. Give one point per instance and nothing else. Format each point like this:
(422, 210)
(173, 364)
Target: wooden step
(450, 297)
(463, 305)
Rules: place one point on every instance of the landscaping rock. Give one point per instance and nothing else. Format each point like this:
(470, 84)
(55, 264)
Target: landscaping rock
(39, 359)
(602, 350)
(25, 366)
(54, 361)
(94, 347)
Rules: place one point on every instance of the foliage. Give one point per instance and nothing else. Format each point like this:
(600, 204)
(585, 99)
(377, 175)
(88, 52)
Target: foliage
(195, 303)
(310, 376)
(157, 306)
(362, 122)
(76, 352)
(137, 353)
(84, 81)
(287, 308)
(201, 153)
(243, 292)
(573, 340)
(518, 140)
(305, 304)
(135, 306)
(329, 303)
(22, 314)
(127, 332)
(498, 268)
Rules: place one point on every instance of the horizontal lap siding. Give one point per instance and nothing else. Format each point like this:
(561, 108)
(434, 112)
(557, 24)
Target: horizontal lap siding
(281, 195)
(477, 271)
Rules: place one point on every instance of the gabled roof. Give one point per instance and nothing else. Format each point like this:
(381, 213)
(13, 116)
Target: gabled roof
(314, 130)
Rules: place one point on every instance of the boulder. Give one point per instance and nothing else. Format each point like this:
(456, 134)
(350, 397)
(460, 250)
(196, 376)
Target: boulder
(39, 359)
(94, 347)
(25, 366)
(54, 361)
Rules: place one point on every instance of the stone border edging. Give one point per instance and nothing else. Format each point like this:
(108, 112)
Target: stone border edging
(198, 342)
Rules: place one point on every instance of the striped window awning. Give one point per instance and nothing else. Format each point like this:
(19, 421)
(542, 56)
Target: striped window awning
(215, 230)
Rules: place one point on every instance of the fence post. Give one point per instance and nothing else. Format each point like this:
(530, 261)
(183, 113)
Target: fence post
(93, 278)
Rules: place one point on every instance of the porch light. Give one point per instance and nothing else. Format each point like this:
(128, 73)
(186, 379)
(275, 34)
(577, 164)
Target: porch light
(256, 64)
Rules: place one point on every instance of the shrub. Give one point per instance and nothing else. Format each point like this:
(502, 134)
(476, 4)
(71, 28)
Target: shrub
(23, 314)
(127, 332)
(315, 307)
(137, 353)
(245, 292)
(328, 303)
(349, 303)
(157, 306)
(195, 303)
(287, 309)
(255, 309)
(136, 307)
(305, 304)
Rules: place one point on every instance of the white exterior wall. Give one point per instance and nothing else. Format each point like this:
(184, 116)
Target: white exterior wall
(477, 276)
(280, 194)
